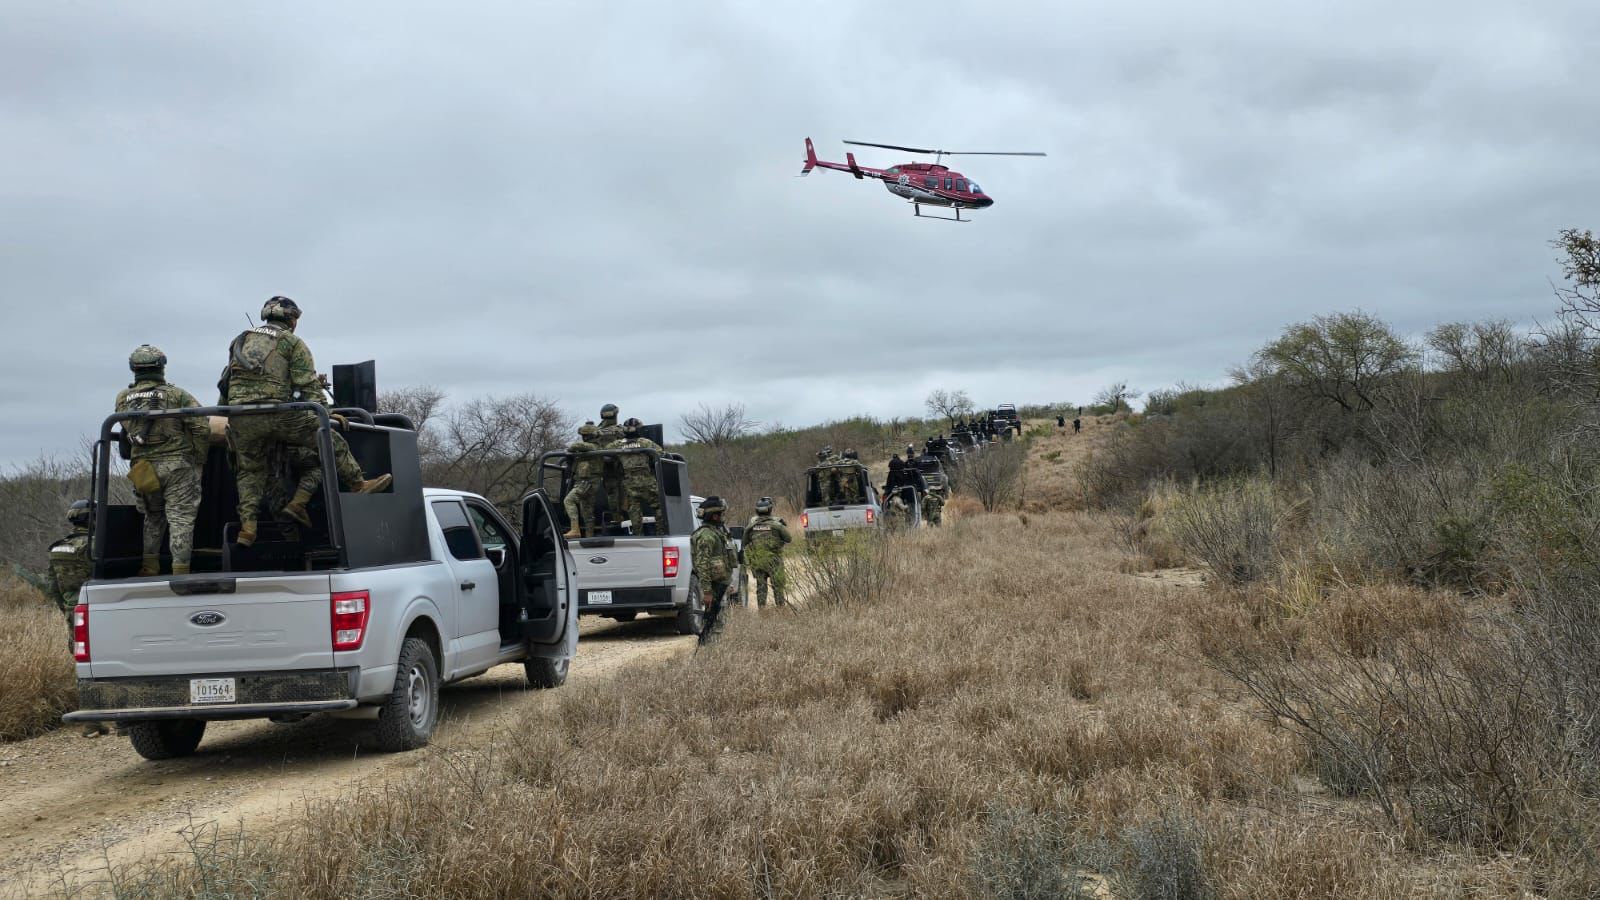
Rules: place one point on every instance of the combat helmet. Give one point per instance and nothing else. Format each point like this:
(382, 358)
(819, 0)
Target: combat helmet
(851, 454)
(280, 309)
(146, 357)
(822, 456)
(711, 504)
(608, 414)
(587, 430)
(764, 506)
(631, 427)
(79, 513)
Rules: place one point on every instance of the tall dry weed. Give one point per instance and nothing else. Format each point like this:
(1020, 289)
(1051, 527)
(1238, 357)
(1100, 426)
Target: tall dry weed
(37, 682)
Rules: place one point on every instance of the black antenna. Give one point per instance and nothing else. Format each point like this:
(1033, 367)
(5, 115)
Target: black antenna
(248, 319)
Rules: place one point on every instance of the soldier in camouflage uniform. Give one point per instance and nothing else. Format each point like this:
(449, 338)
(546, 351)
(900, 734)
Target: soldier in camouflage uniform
(713, 560)
(847, 478)
(69, 558)
(270, 364)
(897, 514)
(764, 540)
(586, 471)
(609, 436)
(933, 506)
(639, 476)
(167, 454)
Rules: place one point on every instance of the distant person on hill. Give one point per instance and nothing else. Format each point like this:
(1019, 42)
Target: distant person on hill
(1061, 421)
(1077, 425)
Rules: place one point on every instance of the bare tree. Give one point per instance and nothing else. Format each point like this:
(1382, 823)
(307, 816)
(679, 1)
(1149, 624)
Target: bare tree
(994, 475)
(949, 405)
(419, 404)
(33, 508)
(1115, 397)
(491, 446)
(716, 427)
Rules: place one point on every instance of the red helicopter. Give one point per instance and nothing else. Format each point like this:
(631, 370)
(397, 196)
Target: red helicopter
(919, 183)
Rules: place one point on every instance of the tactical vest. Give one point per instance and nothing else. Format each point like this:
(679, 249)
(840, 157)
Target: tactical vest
(586, 467)
(257, 368)
(637, 463)
(761, 534)
(152, 436)
(608, 435)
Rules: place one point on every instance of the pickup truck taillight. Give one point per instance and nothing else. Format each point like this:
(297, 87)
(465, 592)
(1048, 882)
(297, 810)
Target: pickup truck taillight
(805, 520)
(669, 562)
(350, 611)
(871, 516)
(80, 632)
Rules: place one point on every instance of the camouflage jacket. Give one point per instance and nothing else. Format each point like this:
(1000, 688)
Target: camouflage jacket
(188, 436)
(712, 556)
(69, 568)
(609, 437)
(270, 364)
(585, 467)
(767, 533)
(933, 502)
(638, 463)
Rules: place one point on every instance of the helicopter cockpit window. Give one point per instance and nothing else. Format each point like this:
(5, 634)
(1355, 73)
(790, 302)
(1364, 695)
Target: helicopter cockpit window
(973, 187)
(893, 170)
(961, 185)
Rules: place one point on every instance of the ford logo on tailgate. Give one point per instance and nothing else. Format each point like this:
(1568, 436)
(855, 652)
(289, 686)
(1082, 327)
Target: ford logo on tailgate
(208, 617)
(598, 560)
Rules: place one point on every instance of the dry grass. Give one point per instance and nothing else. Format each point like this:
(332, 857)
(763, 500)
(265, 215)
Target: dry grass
(1012, 718)
(37, 683)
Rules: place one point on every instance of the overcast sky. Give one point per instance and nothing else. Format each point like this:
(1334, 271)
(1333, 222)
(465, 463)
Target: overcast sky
(596, 201)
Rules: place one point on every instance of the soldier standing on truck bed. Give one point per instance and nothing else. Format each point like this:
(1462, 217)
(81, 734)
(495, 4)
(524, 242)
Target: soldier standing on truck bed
(609, 436)
(586, 471)
(167, 454)
(270, 364)
(847, 476)
(712, 561)
(639, 475)
(764, 540)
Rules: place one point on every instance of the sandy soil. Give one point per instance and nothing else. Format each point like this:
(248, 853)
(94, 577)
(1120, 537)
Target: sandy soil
(70, 804)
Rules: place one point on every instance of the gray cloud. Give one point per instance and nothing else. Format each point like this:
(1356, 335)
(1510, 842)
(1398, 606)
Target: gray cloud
(597, 203)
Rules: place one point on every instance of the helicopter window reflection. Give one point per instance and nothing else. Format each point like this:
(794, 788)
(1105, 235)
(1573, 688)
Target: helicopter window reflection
(961, 185)
(973, 187)
(947, 181)
(894, 170)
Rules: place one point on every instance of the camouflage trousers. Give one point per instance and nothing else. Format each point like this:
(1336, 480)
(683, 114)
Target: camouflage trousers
(847, 487)
(252, 438)
(579, 504)
(716, 613)
(641, 493)
(767, 565)
(170, 511)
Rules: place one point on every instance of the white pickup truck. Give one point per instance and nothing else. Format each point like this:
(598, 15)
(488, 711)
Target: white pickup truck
(622, 575)
(824, 520)
(363, 615)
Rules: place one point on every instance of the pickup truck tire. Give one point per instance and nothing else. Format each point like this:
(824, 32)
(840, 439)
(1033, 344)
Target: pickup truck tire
(546, 673)
(407, 718)
(626, 616)
(168, 739)
(692, 617)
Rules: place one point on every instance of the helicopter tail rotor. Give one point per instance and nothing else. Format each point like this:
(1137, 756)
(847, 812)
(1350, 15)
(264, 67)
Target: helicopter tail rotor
(811, 158)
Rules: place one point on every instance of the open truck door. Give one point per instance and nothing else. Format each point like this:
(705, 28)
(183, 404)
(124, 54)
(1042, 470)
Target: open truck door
(549, 588)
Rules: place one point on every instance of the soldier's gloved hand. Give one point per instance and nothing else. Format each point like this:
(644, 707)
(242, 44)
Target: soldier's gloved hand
(339, 420)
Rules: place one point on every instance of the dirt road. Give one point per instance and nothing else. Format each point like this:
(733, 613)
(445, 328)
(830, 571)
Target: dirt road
(68, 804)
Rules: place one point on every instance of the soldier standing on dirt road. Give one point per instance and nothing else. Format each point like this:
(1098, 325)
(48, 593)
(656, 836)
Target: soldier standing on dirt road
(271, 364)
(764, 540)
(69, 558)
(167, 454)
(712, 560)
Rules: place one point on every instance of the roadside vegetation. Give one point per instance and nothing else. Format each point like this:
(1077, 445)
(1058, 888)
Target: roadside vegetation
(36, 682)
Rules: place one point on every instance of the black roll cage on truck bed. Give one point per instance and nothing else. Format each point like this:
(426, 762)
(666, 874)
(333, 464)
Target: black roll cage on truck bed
(349, 530)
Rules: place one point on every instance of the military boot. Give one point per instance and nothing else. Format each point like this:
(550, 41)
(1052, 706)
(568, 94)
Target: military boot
(571, 532)
(247, 534)
(296, 509)
(179, 568)
(150, 565)
(371, 485)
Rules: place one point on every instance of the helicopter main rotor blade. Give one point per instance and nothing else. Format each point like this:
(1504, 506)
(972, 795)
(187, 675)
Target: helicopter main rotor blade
(991, 153)
(890, 147)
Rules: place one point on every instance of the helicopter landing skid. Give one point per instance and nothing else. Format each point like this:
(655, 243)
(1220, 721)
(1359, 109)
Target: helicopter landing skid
(917, 211)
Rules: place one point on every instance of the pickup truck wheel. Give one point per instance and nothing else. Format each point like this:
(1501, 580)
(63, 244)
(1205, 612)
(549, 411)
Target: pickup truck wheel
(692, 618)
(406, 719)
(628, 616)
(546, 673)
(167, 739)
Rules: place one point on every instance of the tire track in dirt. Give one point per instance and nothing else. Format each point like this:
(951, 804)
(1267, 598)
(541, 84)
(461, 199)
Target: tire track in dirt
(70, 804)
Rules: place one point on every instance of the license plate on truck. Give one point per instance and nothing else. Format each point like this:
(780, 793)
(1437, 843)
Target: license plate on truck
(599, 598)
(211, 690)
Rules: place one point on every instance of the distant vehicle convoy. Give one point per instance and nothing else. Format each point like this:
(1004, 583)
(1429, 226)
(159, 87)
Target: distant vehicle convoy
(363, 615)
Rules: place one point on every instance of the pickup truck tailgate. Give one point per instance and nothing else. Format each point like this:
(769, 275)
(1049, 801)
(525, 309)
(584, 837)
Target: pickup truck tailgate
(243, 623)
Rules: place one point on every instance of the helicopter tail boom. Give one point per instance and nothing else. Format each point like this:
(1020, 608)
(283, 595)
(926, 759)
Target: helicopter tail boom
(859, 171)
